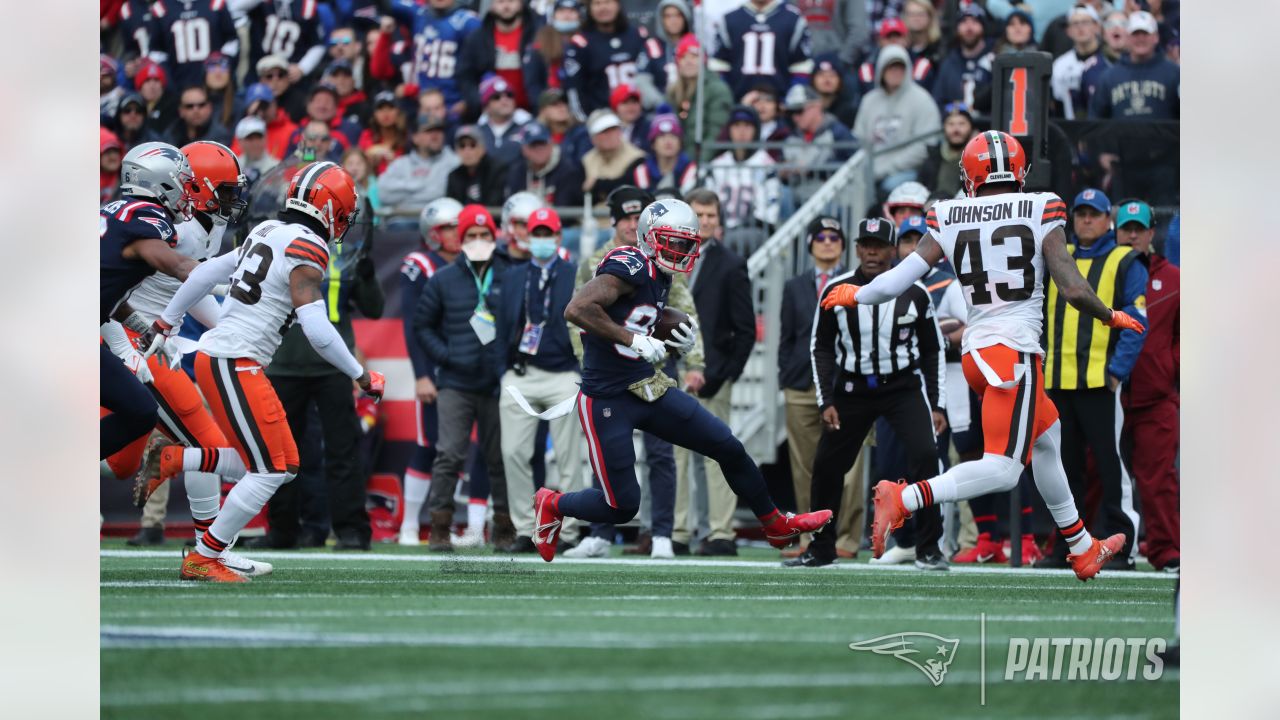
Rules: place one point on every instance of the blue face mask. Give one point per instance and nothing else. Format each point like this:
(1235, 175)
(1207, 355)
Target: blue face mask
(542, 248)
(565, 26)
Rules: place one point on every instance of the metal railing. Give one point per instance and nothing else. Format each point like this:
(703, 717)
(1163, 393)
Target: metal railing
(757, 415)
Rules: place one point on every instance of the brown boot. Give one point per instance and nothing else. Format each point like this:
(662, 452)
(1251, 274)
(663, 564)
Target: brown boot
(441, 539)
(504, 532)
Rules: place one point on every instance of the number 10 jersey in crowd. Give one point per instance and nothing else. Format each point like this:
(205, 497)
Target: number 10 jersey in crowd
(259, 310)
(994, 244)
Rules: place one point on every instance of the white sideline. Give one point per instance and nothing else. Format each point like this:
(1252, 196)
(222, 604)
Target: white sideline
(647, 562)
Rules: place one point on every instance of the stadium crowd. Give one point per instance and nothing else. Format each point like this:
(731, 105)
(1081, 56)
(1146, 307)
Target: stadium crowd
(741, 108)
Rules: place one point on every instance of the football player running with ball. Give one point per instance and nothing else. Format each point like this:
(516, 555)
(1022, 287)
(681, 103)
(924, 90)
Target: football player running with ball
(275, 278)
(622, 389)
(1001, 241)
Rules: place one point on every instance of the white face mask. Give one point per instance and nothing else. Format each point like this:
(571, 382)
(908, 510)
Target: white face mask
(478, 250)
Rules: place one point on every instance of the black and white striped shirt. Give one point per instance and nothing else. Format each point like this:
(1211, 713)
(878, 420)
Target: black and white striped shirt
(901, 335)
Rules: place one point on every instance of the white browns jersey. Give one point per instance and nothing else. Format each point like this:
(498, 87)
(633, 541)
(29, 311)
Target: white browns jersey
(994, 244)
(259, 309)
(150, 296)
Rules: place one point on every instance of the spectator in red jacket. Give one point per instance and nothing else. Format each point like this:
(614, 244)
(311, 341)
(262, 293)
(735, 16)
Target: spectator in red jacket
(1151, 400)
(260, 101)
(386, 137)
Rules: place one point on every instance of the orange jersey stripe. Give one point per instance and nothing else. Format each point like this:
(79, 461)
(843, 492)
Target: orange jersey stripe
(308, 250)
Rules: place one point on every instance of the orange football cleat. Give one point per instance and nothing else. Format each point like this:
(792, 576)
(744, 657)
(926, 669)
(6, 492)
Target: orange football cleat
(198, 567)
(889, 513)
(1088, 563)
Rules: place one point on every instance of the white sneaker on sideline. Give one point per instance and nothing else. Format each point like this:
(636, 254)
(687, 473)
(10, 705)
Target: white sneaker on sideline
(896, 556)
(469, 539)
(662, 549)
(592, 547)
(409, 536)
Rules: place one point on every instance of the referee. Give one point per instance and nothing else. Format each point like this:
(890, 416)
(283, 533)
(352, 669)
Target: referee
(871, 362)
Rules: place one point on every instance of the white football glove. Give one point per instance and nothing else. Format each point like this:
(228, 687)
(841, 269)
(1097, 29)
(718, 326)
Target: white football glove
(683, 338)
(138, 366)
(649, 349)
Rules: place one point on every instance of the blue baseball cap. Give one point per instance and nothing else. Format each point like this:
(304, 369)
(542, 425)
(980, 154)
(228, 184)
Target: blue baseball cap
(534, 132)
(1094, 198)
(258, 92)
(913, 224)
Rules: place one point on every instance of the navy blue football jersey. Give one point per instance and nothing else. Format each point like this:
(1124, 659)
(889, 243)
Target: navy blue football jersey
(608, 368)
(771, 46)
(596, 62)
(187, 32)
(137, 27)
(288, 28)
(119, 224)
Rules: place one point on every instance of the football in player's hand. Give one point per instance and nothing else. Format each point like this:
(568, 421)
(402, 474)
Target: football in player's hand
(669, 320)
(949, 325)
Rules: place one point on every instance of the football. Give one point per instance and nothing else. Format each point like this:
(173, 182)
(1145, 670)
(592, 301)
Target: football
(669, 320)
(949, 325)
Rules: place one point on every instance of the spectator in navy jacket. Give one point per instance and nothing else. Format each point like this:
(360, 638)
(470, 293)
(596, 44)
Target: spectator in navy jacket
(497, 46)
(1144, 85)
(966, 71)
(455, 323)
(544, 169)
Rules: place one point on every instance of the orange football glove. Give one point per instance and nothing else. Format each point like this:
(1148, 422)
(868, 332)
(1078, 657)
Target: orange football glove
(841, 296)
(1124, 321)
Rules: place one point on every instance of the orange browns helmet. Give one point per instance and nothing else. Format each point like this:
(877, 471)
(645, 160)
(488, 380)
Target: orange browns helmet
(993, 157)
(219, 185)
(326, 192)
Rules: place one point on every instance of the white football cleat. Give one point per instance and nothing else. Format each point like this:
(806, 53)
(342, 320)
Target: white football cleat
(662, 549)
(409, 536)
(592, 547)
(242, 565)
(895, 555)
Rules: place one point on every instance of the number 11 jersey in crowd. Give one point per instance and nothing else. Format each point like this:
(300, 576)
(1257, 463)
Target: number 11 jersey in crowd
(994, 244)
(259, 310)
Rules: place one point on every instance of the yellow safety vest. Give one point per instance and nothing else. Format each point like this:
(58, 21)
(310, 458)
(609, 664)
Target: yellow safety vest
(1079, 346)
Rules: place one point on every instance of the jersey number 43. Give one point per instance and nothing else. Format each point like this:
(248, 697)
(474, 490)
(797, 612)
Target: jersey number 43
(1015, 243)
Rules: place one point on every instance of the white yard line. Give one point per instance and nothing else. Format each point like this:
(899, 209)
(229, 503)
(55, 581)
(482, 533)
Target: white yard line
(764, 565)
(582, 613)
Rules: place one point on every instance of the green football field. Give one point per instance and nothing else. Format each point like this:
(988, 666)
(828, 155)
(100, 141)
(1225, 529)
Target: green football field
(402, 634)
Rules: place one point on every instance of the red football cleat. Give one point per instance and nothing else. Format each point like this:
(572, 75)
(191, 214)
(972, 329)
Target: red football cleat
(546, 522)
(1088, 563)
(986, 551)
(785, 528)
(889, 513)
(1030, 550)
